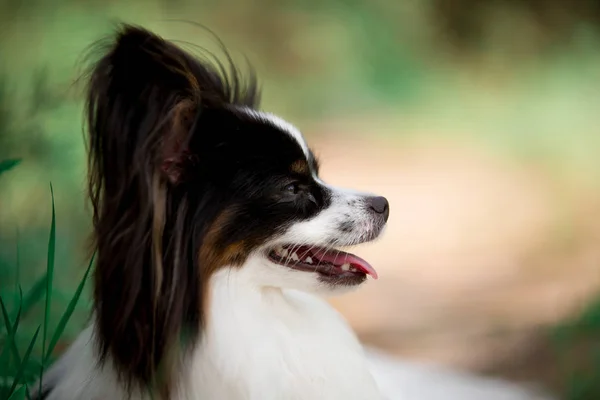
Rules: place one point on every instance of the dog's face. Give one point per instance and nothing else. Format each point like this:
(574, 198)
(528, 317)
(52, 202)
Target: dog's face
(275, 216)
(187, 178)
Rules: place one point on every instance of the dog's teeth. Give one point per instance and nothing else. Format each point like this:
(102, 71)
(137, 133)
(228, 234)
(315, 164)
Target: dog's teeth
(345, 267)
(308, 260)
(352, 269)
(294, 257)
(279, 250)
(284, 253)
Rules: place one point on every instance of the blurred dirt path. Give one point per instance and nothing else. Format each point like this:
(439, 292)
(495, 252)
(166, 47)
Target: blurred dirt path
(479, 252)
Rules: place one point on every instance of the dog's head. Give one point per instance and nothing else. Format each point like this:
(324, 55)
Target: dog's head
(188, 177)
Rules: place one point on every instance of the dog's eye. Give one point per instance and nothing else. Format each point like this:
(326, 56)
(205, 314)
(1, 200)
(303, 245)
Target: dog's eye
(291, 188)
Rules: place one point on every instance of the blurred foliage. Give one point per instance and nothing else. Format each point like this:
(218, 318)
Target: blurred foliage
(513, 75)
(552, 21)
(19, 368)
(577, 343)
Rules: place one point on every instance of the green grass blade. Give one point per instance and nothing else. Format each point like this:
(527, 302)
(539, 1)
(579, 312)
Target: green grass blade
(9, 344)
(4, 359)
(5, 316)
(24, 362)
(6, 165)
(67, 314)
(11, 330)
(15, 328)
(19, 394)
(18, 266)
(34, 295)
(49, 279)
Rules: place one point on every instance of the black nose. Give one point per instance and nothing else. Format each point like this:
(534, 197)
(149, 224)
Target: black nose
(380, 205)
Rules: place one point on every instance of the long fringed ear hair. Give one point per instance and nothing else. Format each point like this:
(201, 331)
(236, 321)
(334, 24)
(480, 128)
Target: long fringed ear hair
(145, 99)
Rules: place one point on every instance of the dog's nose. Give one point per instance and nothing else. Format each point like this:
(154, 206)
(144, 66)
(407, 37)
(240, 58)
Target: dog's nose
(380, 205)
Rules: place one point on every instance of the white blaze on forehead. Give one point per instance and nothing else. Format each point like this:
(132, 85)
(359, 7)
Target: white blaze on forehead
(281, 124)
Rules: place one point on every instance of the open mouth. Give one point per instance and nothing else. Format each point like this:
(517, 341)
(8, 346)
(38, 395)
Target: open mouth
(328, 263)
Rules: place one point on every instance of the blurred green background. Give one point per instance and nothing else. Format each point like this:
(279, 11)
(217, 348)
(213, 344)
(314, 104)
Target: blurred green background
(478, 119)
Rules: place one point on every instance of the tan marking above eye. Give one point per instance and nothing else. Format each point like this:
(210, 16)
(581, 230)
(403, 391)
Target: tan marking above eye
(300, 167)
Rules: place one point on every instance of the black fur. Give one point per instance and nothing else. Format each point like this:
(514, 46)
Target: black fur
(183, 180)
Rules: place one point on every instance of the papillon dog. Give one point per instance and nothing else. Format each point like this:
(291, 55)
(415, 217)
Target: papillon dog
(215, 240)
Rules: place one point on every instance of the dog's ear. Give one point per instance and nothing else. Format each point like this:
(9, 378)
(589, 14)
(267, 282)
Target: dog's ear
(142, 102)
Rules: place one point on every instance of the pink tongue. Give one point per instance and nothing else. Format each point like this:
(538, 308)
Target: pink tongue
(339, 257)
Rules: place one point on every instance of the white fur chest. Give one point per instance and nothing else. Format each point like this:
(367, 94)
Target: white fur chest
(272, 344)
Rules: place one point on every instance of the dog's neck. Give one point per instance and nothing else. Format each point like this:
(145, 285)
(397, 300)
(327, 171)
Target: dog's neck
(271, 343)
